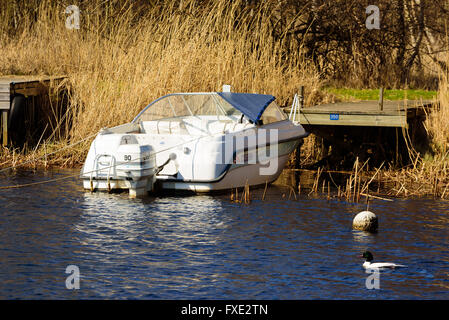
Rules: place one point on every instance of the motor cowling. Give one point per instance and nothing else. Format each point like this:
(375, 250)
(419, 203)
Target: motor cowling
(134, 161)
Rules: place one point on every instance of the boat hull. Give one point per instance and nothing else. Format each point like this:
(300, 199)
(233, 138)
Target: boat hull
(236, 177)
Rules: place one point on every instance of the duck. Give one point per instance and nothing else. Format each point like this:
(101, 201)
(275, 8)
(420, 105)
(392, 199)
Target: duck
(378, 265)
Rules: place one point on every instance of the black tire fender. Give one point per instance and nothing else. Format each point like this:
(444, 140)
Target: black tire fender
(16, 125)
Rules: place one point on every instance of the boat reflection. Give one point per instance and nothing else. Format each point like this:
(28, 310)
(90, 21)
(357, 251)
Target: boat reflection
(112, 222)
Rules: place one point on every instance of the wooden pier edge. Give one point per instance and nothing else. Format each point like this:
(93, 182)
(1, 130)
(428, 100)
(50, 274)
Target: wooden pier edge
(27, 86)
(4, 128)
(366, 113)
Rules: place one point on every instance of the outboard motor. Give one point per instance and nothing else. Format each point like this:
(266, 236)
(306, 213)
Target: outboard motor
(118, 161)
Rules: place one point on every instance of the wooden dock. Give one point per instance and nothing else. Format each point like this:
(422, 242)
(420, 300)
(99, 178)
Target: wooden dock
(367, 129)
(14, 93)
(368, 113)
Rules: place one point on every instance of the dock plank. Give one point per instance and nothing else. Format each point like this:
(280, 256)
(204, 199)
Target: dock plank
(361, 113)
(365, 120)
(4, 88)
(4, 105)
(369, 106)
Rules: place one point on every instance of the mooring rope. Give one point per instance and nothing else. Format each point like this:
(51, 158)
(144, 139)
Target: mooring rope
(92, 171)
(47, 154)
(37, 183)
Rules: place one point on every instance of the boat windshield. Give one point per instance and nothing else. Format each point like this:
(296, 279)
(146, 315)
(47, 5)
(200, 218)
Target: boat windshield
(178, 105)
(188, 104)
(272, 114)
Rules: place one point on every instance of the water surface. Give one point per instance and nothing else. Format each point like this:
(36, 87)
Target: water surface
(207, 247)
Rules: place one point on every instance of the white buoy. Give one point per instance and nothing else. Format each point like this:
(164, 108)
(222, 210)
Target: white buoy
(366, 221)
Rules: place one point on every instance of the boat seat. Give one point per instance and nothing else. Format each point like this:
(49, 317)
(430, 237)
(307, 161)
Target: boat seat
(215, 127)
(164, 127)
(192, 126)
(197, 126)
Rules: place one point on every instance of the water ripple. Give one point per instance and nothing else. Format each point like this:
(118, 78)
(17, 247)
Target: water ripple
(204, 247)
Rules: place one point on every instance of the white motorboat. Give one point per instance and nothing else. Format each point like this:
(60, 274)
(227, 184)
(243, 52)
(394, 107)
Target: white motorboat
(194, 141)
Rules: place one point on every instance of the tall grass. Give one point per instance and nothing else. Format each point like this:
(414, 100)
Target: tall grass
(437, 123)
(123, 58)
(428, 175)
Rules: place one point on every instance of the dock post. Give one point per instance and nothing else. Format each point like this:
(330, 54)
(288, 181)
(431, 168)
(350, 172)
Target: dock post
(298, 163)
(298, 155)
(4, 127)
(381, 99)
(301, 142)
(301, 98)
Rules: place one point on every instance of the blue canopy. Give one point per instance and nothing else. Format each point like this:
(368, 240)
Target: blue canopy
(251, 105)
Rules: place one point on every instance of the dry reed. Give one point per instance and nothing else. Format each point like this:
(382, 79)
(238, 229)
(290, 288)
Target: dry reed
(121, 58)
